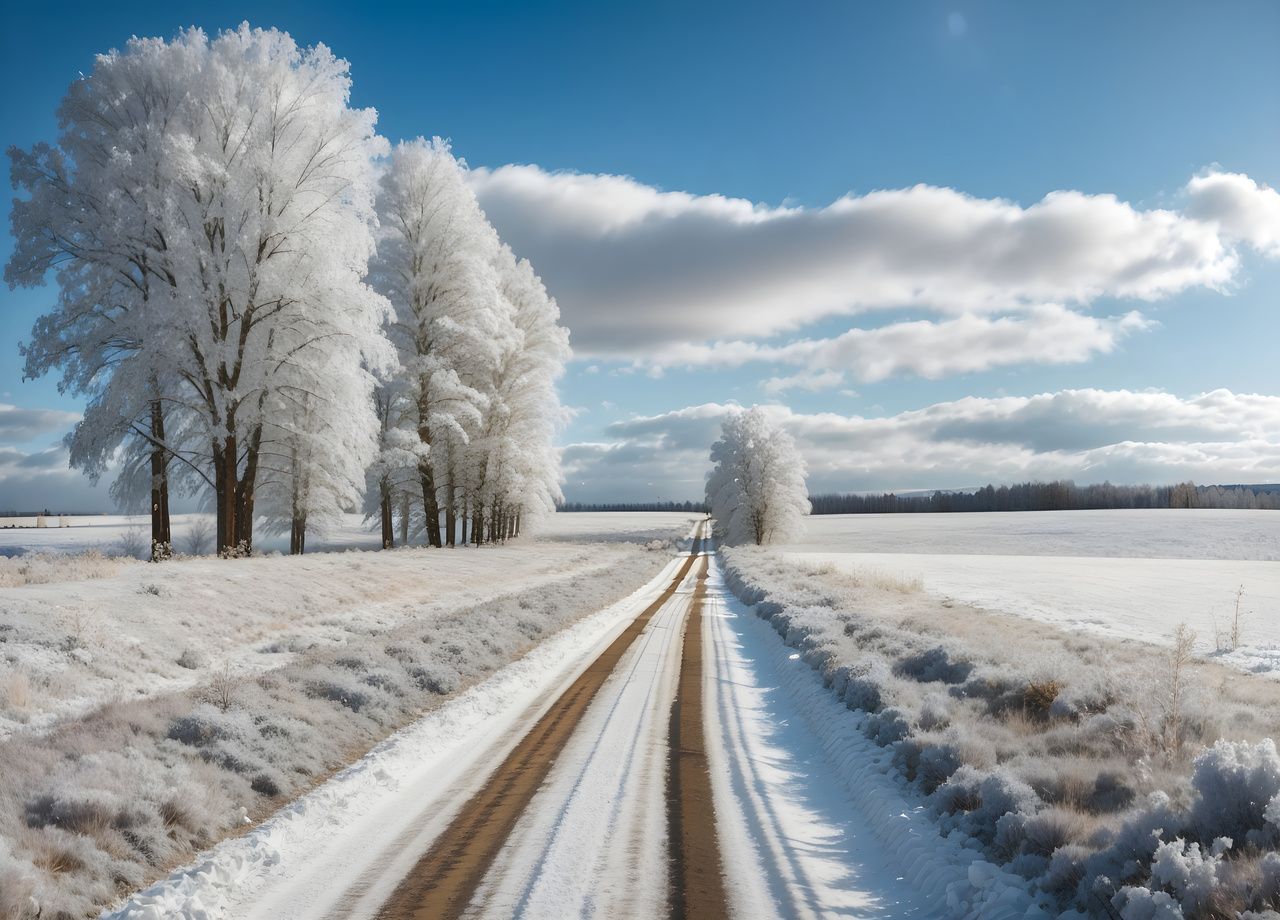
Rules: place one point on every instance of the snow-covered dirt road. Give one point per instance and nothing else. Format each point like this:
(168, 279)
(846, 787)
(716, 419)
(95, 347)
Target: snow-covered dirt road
(681, 773)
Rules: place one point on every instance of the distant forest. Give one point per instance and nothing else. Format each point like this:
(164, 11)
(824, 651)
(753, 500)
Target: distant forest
(1061, 495)
(699, 507)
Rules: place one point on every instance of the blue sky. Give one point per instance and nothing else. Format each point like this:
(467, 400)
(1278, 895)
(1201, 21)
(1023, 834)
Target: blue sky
(756, 101)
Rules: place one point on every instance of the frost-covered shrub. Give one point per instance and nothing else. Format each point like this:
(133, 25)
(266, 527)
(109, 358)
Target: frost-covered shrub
(974, 802)
(267, 782)
(1190, 874)
(338, 691)
(202, 726)
(1067, 868)
(1136, 903)
(191, 660)
(933, 665)
(80, 811)
(862, 687)
(886, 727)
(1235, 782)
(438, 678)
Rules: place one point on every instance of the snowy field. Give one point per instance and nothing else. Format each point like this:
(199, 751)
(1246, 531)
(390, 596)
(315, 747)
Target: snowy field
(1156, 533)
(228, 687)
(1126, 574)
(101, 629)
(111, 534)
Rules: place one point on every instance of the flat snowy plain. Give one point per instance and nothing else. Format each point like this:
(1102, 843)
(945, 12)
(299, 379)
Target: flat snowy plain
(129, 621)
(1132, 574)
(108, 532)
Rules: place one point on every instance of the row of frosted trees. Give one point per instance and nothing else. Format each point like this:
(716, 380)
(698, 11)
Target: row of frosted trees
(756, 490)
(262, 302)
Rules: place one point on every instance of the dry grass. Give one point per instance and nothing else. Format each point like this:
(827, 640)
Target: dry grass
(15, 691)
(48, 568)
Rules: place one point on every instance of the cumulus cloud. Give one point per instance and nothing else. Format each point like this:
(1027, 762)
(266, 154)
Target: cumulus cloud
(1089, 435)
(652, 275)
(18, 426)
(1242, 208)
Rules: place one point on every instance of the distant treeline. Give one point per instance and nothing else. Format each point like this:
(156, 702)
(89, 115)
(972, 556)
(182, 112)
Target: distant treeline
(1062, 495)
(699, 507)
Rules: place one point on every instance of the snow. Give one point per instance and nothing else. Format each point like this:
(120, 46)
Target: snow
(1158, 533)
(104, 532)
(813, 821)
(1131, 574)
(594, 840)
(368, 824)
(78, 643)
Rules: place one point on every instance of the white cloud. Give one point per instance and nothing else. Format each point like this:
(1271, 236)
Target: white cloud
(812, 381)
(19, 426)
(1089, 435)
(1242, 208)
(1047, 335)
(652, 275)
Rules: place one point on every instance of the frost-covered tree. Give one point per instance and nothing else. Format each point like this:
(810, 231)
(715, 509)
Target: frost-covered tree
(514, 467)
(436, 264)
(391, 481)
(93, 217)
(208, 211)
(756, 490)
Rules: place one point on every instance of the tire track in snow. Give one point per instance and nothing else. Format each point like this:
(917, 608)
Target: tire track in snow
(444, 880)
(697, 881)
(592, 842)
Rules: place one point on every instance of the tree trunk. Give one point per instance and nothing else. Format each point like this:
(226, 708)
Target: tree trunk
(404, 518)
(466, 513)
(224, 461)
(477, 525)
(245, 493)
(511, 526)
(517, 523)
(388, 531)
(450, 508)
(161, 534)
(298, 533)
(429, 505)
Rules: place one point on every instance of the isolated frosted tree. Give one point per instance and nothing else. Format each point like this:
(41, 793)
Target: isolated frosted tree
(756, 489)
(209, 214)
(436, 264)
